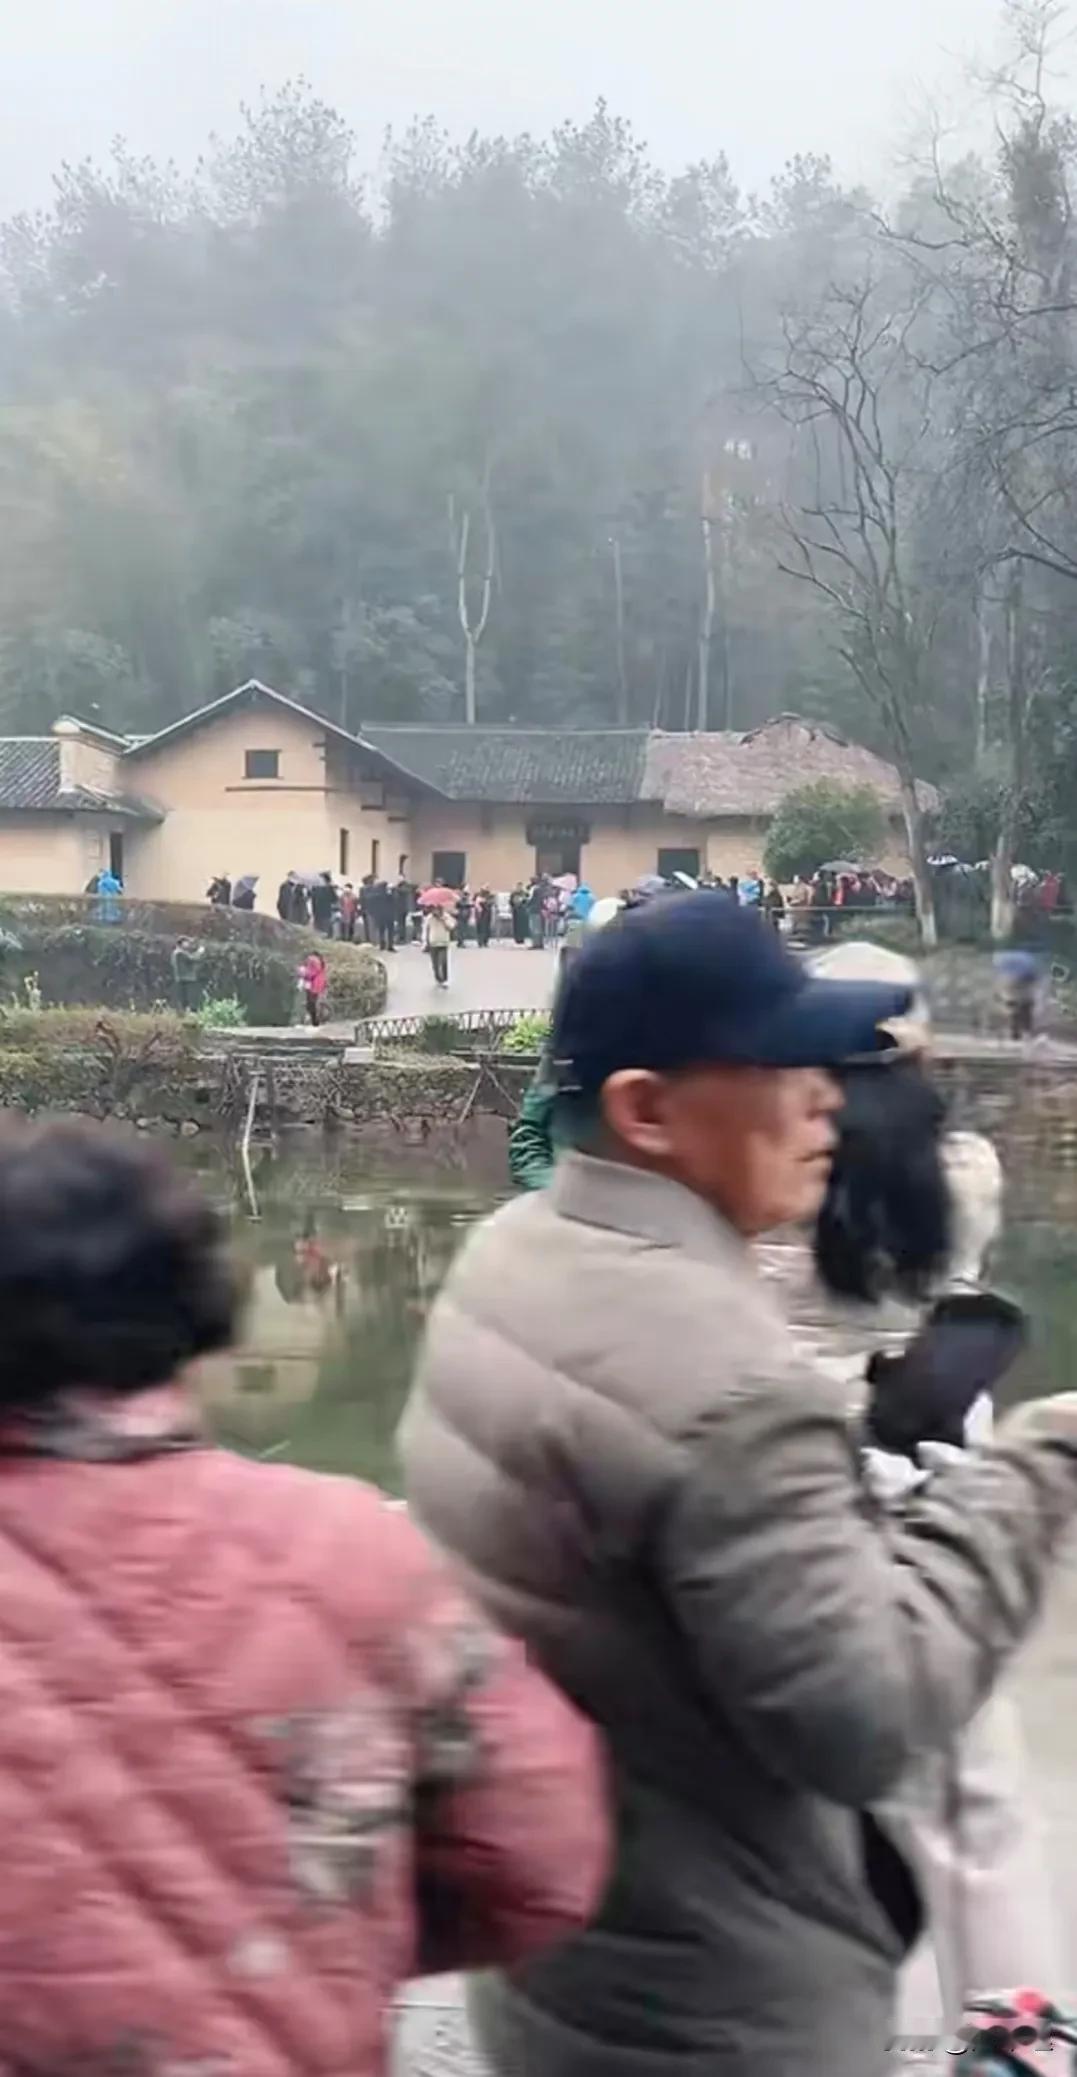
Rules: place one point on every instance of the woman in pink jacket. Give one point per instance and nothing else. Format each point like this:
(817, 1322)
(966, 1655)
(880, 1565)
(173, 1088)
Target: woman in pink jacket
(259, 1759)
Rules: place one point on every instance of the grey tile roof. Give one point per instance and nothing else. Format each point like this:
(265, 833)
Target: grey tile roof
(701, 776)
(546, 767)
(30, 780)
(29, 772)
(131, 807)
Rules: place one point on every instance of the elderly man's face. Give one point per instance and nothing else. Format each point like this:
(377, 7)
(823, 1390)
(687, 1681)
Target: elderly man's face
(754, 1142)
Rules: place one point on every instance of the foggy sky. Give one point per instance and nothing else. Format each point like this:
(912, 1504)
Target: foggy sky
(760, 79)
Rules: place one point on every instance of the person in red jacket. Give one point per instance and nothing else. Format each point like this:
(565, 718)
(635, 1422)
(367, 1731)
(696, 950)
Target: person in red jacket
(260, 1760)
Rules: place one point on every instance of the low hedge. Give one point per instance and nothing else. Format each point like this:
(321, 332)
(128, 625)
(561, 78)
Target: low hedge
(115, 964)
(132, 969)
(357, 980)
(111, 1063)
(170, 919)
(65, 1029)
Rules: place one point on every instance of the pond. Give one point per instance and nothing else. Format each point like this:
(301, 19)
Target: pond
(350, 1247)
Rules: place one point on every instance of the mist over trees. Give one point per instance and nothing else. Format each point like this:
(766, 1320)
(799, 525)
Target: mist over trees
(531, 430)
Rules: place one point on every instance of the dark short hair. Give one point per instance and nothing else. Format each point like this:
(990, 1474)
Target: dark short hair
(114, 1268)
(885, 1224)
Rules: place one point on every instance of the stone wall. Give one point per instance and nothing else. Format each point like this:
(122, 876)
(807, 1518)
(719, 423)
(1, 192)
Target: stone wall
(1028, 1104)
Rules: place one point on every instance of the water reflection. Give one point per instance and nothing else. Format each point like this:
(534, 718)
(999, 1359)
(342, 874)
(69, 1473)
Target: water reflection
(352, 1245)
(343, 1264)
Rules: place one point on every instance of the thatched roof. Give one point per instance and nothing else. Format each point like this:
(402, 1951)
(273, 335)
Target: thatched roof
(714, 775)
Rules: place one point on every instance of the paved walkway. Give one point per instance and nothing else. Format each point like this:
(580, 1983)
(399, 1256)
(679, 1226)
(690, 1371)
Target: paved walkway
(503, 977)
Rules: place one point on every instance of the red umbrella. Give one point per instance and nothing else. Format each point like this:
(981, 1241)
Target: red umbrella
(438, 898)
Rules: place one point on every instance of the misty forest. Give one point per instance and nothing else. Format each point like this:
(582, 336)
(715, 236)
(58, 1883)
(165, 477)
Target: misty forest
(531, 430)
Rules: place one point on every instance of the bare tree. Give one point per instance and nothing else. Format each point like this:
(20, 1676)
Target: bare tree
(709, 523)
(474, 627)
(619, 622)
(860, 407)
(994, 250)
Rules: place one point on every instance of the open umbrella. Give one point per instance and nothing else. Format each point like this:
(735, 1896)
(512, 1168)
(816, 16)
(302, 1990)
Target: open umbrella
(438, 898)
(245, 883)
(841, 865)
(686, 880)
(567, 882)
(650, 883)
(605, 909)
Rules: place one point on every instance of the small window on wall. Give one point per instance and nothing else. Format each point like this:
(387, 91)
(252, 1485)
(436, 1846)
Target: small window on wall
(344, 854)
(450, 866)
(670, 862)
(261, 764)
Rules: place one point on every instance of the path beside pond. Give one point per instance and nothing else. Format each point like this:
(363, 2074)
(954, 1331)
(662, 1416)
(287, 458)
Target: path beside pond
(503, 977)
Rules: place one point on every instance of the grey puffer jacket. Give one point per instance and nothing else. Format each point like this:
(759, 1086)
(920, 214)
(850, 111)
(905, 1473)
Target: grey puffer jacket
(614, 1433)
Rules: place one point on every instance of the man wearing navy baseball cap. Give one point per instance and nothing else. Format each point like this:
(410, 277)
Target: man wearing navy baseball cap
(615, 1435)
(687, 1035)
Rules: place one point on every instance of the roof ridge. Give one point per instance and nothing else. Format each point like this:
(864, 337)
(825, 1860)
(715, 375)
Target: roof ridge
(469, 731)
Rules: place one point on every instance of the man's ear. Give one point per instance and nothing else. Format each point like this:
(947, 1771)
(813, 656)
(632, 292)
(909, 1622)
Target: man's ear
(634, 1109)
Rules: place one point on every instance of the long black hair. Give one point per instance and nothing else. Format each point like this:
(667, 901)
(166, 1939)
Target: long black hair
(884, 1228)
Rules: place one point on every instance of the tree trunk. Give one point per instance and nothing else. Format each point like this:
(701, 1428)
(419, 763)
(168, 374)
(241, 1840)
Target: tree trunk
(921, 876)
(619, 599)
(1002, 864)
(470, 702)
(473, 632)
(1002, 859)
(983, 676)
(725, 588)
(706, 624)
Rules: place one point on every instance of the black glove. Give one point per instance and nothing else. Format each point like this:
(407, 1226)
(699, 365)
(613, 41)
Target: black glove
(967, 1343)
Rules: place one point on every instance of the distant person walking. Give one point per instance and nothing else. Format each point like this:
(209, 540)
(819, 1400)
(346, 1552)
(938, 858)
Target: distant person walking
(245, 891)
(219, 892)
(438, 927)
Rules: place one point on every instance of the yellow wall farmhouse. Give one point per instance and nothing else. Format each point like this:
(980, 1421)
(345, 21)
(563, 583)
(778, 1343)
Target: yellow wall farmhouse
(312, 818)
(256, 784)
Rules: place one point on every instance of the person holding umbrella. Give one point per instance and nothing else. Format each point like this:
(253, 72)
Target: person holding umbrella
(244, 891)
(439, 922)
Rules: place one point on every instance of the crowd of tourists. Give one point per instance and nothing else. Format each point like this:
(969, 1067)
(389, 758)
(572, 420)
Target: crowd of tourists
(682, 1728)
